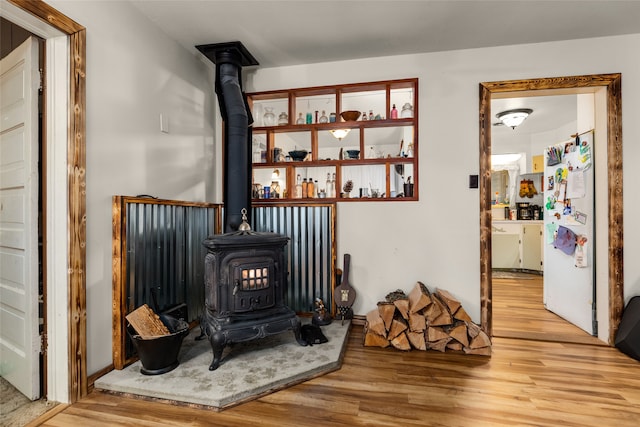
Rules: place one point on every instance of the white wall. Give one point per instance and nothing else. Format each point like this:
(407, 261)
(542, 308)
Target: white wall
(436, 240)
(135, 73)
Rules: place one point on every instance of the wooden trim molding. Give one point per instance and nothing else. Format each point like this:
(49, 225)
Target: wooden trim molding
(76, 165)
(613, 85)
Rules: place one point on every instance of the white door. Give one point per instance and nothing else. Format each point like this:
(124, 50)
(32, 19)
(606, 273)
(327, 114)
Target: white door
(569, 197)
(19, 336)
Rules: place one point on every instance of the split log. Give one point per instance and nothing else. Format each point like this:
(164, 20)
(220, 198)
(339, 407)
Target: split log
(374, 323)
(371, 339)
(440, 345)
(417, 340)
(461, 314)
(436, 310)
(459, 333)
(435, 334)
(455, 345)
(419, 298)
(401, 342)
(398, 326)
(484, 351)
(146, 323)
(445, 318)
(432, 311)
(387, 311)
(403, 307)
(480, 341)
(449, 300)
(472, 329)
(417, 322)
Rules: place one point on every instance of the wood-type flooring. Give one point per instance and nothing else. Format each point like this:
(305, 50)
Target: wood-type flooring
(526, 382)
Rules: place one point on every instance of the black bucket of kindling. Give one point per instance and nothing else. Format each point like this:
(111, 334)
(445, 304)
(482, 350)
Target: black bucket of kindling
(159, 355)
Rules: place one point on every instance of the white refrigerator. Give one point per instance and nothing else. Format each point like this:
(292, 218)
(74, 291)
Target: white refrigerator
(569, 276)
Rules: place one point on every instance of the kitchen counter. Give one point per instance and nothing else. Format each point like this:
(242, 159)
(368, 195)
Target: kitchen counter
(517, 221)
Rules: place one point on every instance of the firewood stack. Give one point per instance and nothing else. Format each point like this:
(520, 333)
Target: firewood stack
(424, 321)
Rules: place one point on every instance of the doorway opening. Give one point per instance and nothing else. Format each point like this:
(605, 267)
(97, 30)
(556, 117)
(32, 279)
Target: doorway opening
(522, 280)
(609, 223)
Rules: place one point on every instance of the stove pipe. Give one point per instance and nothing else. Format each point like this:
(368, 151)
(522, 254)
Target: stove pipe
(229, 59)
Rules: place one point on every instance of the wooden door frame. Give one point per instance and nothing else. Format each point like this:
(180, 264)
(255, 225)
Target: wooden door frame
(76, 190)
(613, 85)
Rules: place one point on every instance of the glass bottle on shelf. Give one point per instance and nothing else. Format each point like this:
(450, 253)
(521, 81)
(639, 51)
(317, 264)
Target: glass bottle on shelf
(370, 114)
(269, 118)
(298, 192)
(364, 115)
(309, 118)
(283, 119)
(311, 188)
(275, 190)
(323, 118)
(332, 118)
(394, 112)
(328, 185)
(333, 185)
(305, 188)
(300, 120)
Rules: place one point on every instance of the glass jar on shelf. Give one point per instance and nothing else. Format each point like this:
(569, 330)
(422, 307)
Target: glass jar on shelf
(407, 111)
(300, 120)
(283, 119)
(269, 118)
(323, 118)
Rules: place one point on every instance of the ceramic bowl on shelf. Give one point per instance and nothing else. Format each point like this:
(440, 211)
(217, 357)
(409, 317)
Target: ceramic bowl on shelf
(353, 154)
(350, 115)
(298, 155)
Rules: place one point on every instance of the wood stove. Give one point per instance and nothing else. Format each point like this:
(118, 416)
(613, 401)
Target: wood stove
(245, 274)
(245, 284)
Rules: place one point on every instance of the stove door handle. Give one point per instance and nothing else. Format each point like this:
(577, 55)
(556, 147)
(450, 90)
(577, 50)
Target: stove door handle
(236, 287)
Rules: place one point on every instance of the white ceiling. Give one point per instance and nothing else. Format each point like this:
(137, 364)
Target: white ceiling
(549, 113)
(284, 33)
(281, 33)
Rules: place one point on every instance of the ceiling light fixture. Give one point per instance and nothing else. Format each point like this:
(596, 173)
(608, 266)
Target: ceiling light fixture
(514, 118)
(339, 133)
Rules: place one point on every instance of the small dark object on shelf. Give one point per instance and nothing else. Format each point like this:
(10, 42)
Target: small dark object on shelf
(353, 154)
(298, 155)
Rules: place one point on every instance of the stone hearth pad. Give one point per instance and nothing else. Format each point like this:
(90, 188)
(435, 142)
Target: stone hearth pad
(247, 371)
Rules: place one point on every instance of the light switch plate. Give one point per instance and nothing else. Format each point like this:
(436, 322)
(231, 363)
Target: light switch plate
(164, 123)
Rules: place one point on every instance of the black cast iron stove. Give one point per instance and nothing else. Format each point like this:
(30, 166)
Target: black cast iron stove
(245, 275)
(245, 284)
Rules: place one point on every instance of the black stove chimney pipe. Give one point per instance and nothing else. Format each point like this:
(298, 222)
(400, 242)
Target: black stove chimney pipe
(229, 59)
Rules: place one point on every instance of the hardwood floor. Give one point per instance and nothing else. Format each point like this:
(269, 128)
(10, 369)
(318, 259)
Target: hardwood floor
(518, 312)
(524, 382)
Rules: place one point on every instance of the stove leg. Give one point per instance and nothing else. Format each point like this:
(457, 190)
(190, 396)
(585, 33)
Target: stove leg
(218, 342)
(295, 325)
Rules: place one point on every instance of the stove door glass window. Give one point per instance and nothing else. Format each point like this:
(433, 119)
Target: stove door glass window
(253, 285)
